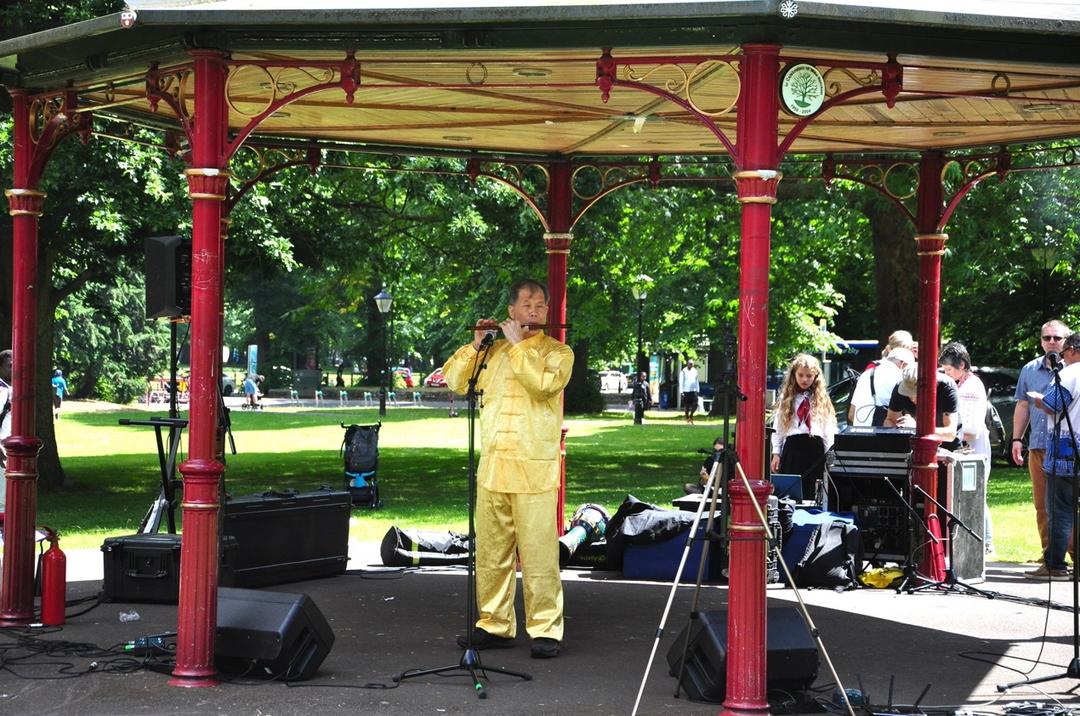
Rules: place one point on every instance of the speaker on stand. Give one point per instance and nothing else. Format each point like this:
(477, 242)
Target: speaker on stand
(167, 265)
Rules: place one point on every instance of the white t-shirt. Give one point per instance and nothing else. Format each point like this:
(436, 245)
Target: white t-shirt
(972, 395)
(5, 424)
(5, 431)
(688, 381)
(826, 432)
(885, 376)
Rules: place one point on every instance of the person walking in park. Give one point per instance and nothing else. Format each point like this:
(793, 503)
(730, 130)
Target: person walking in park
(60, 389)
(689, 387)
(517, 480)
(251, 392)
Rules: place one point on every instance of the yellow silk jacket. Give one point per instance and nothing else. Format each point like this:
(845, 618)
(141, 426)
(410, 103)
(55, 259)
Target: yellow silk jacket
(522, 414)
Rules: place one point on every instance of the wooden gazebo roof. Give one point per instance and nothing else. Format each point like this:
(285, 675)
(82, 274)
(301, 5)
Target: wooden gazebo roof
(476, 77)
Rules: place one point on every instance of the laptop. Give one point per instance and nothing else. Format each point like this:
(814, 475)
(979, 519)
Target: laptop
(787, 486)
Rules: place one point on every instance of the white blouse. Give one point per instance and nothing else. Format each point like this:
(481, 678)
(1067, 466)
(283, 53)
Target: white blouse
(797, 427)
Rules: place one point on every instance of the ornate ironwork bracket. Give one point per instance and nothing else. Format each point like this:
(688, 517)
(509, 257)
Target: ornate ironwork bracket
(678, 88)
(52, 118)
(269, 161)
(287, 82)
(171, 87)
(284, 82)
(590, 182)
(959, 176)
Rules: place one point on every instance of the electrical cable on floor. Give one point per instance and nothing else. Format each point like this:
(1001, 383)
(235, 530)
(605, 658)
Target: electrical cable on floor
(28, 652)
(973, 656)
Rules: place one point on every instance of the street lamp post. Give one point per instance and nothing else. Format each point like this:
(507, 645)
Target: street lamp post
(641, 291)
(384, 301)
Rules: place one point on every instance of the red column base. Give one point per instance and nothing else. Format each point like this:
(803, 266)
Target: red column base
(193, 681)
(16, 620)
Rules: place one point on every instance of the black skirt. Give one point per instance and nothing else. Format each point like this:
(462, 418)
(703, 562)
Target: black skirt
(804, 455)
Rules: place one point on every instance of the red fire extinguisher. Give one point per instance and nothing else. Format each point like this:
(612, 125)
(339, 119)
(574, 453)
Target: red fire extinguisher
(53, 581)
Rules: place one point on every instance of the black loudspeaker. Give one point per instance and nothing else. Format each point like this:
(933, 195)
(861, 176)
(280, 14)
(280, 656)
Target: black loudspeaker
(791, 660)
(168, 276)
(270, 634)
(289, 536)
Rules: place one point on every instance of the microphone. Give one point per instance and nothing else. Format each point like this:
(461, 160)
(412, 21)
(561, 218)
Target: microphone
(1054, 360)
(489, 338)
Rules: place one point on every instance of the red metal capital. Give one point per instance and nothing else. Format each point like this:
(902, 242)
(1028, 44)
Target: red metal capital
(892, 81)
(606, 70)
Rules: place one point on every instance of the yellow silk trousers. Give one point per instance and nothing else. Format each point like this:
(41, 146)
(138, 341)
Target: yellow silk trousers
(510, 526)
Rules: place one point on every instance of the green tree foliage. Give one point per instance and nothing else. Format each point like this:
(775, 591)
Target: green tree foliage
(1010, 263)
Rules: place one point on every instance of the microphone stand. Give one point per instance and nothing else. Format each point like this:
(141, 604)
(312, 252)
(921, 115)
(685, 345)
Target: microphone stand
(951, 583)
(1073, 670)
(470, 657)
(910, 572)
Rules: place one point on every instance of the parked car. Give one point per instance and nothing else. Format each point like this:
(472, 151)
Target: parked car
(403, 375)
(436, 379)
(840, 393)
(612, 381)
(1000, 386)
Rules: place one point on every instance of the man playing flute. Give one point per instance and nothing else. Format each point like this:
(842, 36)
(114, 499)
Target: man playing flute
(518, 474)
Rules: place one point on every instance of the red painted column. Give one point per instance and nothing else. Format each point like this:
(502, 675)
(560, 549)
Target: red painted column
(22, 446)
(219, 435)
(207, 182)
(930, 246)
(755, 183)
(557, 242)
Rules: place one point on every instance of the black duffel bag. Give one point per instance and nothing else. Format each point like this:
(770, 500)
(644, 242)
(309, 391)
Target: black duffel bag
(423, 548)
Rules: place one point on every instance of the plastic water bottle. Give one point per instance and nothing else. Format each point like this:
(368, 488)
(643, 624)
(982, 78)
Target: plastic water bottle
(132, 616)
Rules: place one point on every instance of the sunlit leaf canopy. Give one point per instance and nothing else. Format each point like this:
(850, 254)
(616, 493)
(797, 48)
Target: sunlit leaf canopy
(476, 77)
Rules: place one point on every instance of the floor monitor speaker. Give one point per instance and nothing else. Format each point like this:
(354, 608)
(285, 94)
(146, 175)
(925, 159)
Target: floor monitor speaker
(271, 635)
(791, 661)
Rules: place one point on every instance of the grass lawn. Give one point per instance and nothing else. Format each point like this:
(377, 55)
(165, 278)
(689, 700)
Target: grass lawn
(422, 465)
(422, 469)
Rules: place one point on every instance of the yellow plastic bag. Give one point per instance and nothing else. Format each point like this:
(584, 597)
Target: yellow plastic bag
(881, 577)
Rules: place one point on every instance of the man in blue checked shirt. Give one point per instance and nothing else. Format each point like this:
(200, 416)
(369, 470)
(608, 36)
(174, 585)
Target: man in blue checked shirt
(1059, 463)
(1035, 377)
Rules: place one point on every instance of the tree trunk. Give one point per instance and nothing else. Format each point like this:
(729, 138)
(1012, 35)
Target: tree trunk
(896, 267)
(51, 473)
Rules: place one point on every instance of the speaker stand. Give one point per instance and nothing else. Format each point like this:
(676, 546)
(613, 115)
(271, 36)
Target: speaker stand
(951, 583)
(470, 658)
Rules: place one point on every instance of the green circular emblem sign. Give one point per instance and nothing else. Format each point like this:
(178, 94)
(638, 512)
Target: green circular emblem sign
(802, 90)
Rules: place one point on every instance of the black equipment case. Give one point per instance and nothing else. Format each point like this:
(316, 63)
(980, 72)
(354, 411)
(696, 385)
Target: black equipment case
(146, 567)
(288, 536)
